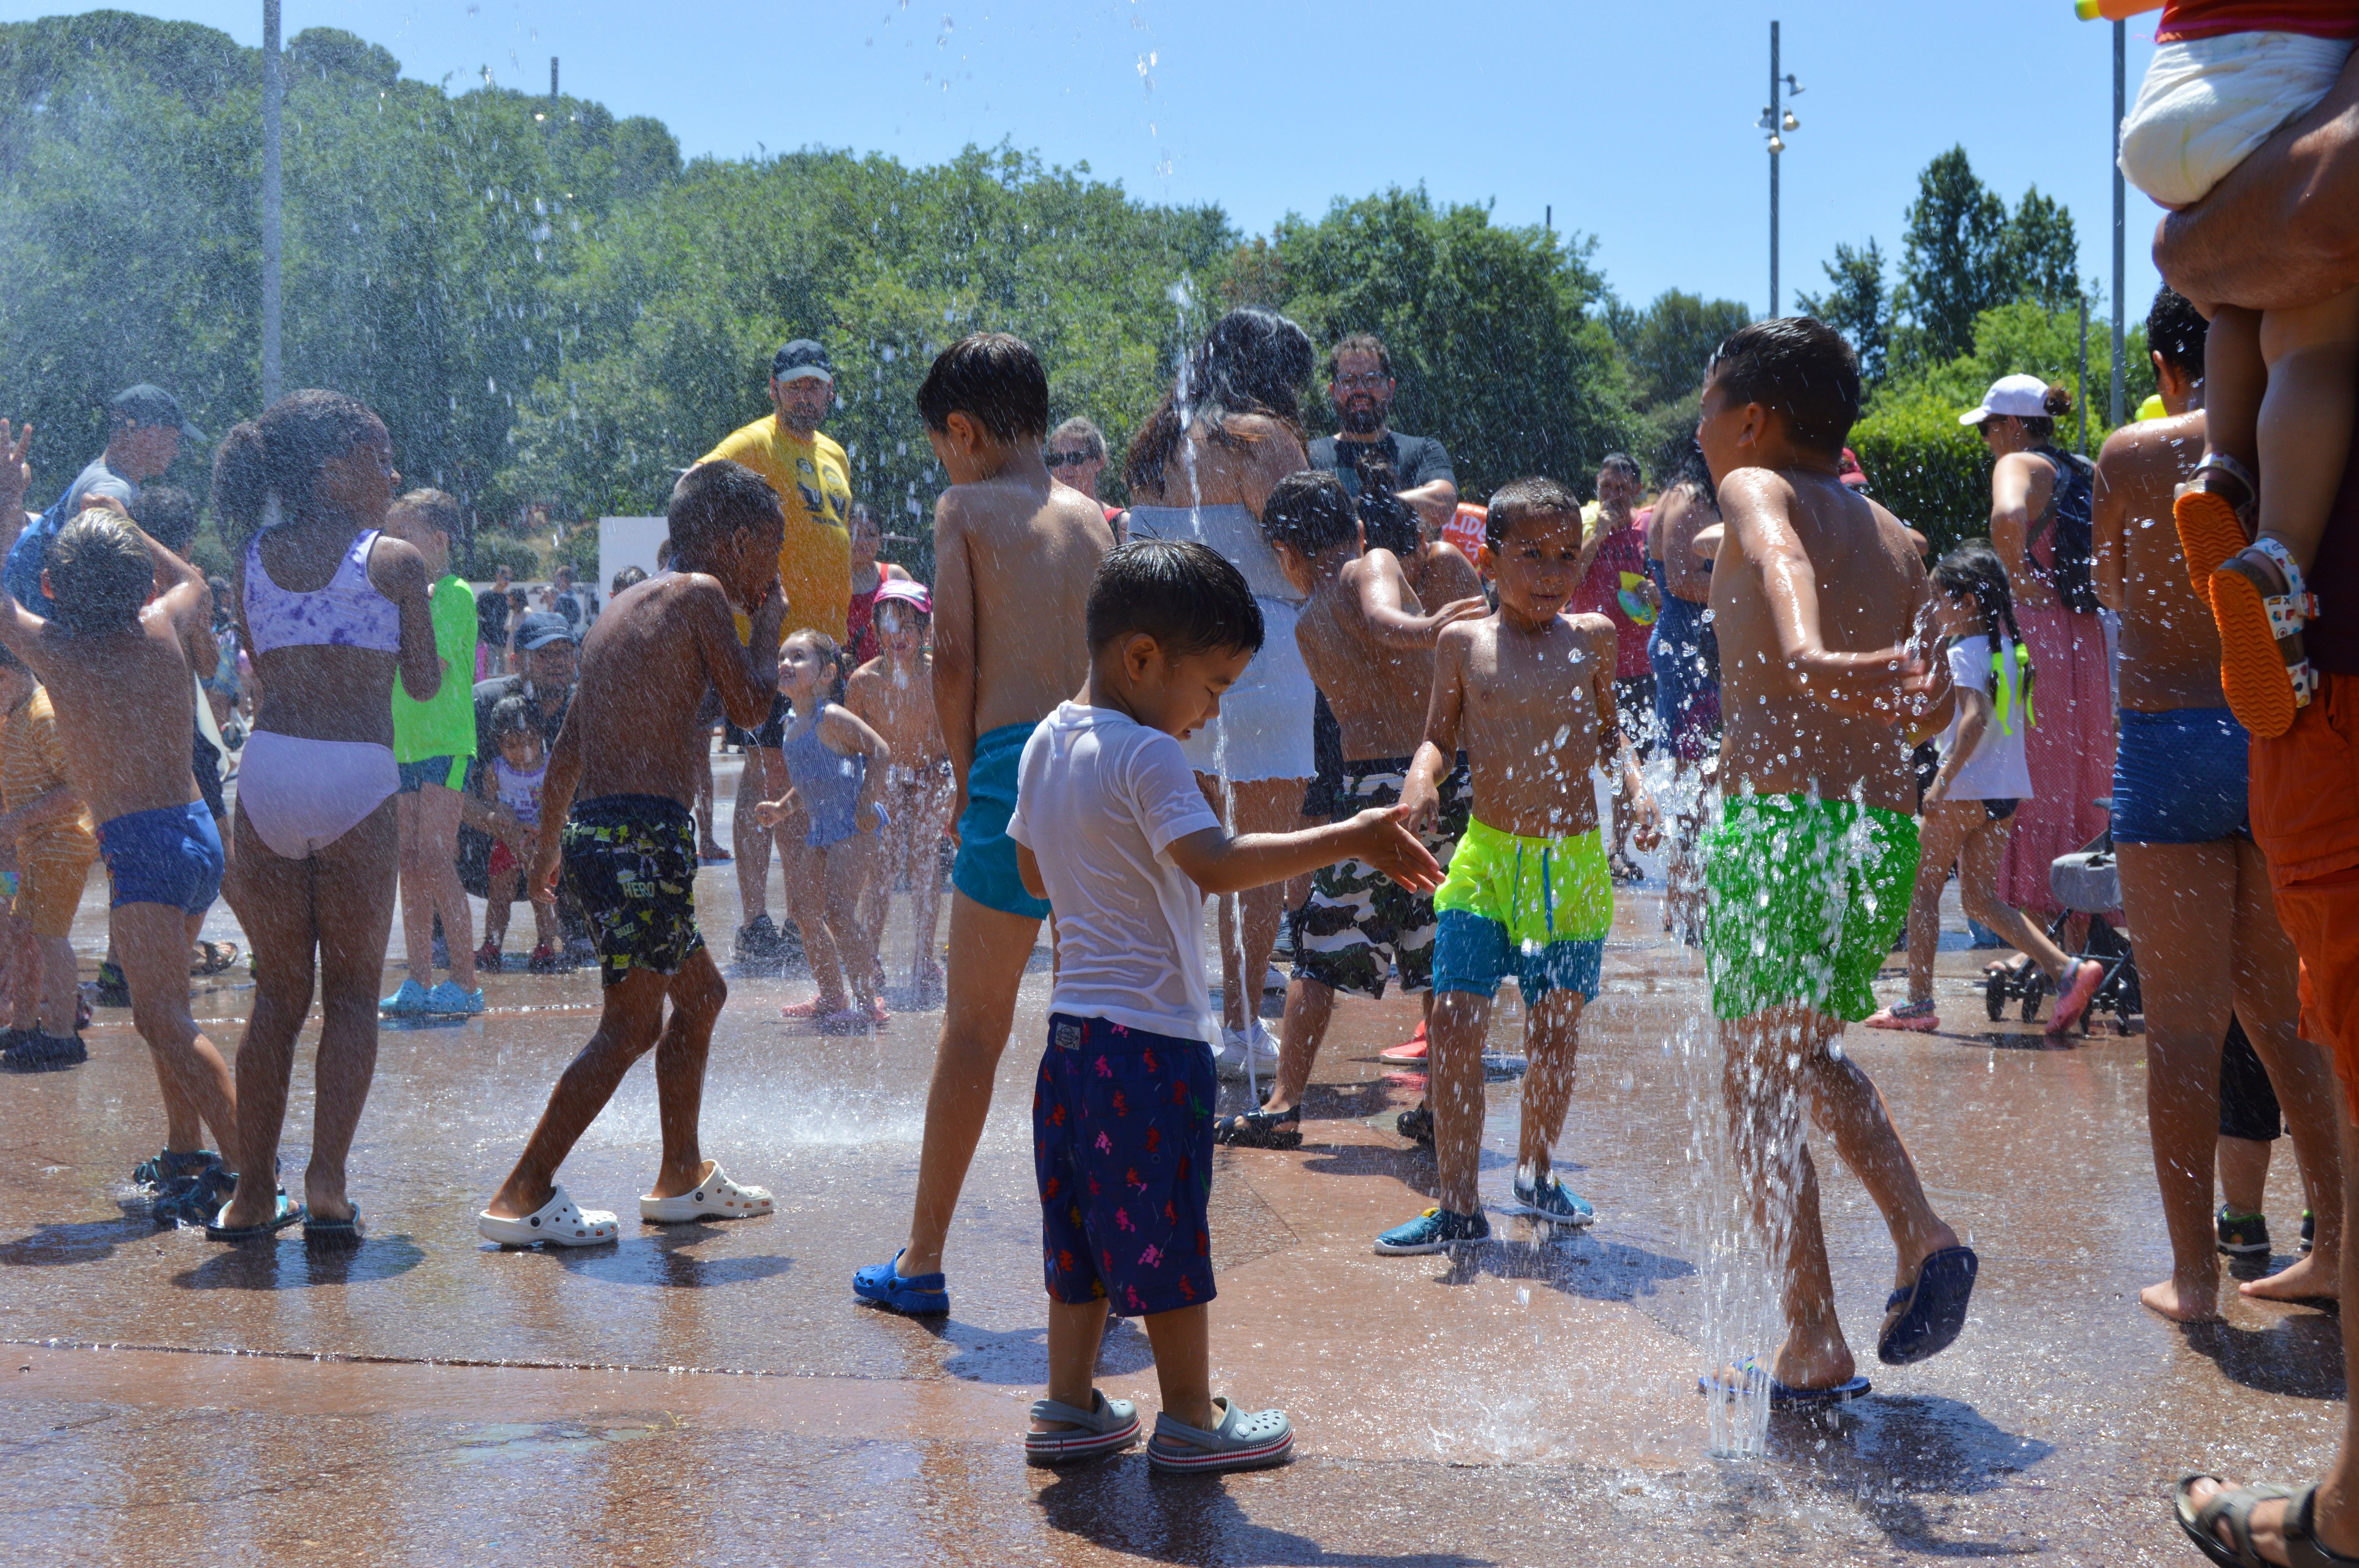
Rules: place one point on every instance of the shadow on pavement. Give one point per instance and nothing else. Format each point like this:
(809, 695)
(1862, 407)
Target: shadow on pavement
(1122, 1506)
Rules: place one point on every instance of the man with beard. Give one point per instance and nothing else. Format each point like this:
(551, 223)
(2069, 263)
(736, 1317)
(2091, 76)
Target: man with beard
(812, 477)
(1360, 385)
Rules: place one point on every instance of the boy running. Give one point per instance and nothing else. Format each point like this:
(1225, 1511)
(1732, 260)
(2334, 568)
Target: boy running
(1818, 594)
(622, 778)
(1111, 829)
(1369, 646)
(1528, 694)
(1014, 554)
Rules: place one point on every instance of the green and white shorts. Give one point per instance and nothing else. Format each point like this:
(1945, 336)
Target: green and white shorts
(1358, 924)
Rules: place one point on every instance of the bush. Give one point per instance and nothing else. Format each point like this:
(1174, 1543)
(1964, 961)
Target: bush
(482, 557)
(1925, 468)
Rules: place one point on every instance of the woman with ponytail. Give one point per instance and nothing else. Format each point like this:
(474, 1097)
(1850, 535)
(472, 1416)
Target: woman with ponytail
(1984, 778)
(331, 607)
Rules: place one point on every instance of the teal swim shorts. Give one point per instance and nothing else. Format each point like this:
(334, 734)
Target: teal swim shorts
(986, 868)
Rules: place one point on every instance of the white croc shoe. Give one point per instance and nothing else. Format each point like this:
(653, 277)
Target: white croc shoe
(556, 1223)
(717, 1197)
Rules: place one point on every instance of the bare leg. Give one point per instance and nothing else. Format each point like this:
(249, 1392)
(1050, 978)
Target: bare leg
(2236, 378)
(697, 994)
(437, 812)
(1181, 1339)
(54, 1014)
(1941, 836)
(626, 1031)
(2244, 1167)
(1454, 1064)
(988, 951)
(1765, 1118)
(1552, 1042)
(750, 842)
(706, 844)
(807, 895)
(926, 891)
(417, 894)
(1978, 889)
(194, 1079)
(844, 875)
(1847, 1107)
(1309, 1008)
(354, 890)
(273, 899)
(1074, 1335)
(2304, 432)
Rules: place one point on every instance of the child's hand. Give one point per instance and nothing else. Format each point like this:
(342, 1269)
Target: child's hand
(1649, 820)
(1421, 803)
(546, 856)
(1380, 837)
(1457, 610)
(770, 813)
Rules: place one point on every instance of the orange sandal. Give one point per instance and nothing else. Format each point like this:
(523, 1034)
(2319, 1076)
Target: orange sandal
(2211, 526)
(2261, 669)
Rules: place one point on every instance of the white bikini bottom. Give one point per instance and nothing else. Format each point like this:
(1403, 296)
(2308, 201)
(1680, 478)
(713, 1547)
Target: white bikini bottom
(303, 795)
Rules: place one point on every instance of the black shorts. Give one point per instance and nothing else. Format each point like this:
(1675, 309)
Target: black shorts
(2000, 810)
(770, 736)
(2248, 1102)
(631, 861)
(205, 763)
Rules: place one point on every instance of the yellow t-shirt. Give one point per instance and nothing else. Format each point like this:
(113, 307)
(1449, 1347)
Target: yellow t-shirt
(813, 481)
(33, 763)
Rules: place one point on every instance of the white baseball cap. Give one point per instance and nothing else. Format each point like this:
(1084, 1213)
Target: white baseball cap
(2018, 397)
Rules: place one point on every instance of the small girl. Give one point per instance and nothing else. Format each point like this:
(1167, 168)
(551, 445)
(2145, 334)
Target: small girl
(1983, 778)
(895, 695)
(510, 789)
(828, 750)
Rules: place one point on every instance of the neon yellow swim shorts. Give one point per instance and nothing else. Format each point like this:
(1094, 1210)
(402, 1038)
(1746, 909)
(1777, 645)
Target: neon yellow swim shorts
(1537, 909)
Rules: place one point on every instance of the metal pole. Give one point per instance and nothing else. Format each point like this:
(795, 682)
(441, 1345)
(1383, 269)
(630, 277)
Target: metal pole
(2122, 223)
(1773, 169)
(2082, 397)
(274, 89)
(552, 78)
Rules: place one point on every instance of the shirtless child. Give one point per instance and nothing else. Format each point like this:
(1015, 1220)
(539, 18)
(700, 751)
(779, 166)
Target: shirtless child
(1369, 646)
(113, 654)
(621, 780)
(894, 694)
(1817, 595)
(1014, 557)
(1528, 694)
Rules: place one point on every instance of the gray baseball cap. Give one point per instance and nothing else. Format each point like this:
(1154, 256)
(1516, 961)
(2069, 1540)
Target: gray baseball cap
(146, 404)
(801, 358)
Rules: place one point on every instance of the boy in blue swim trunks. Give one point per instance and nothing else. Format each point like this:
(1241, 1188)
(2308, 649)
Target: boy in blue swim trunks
(1820, 600)
(1014, 554)
(1111, 829)
(116, 656)
(1527, 693)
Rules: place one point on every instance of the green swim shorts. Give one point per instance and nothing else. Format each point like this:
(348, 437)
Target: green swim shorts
(1803, 900)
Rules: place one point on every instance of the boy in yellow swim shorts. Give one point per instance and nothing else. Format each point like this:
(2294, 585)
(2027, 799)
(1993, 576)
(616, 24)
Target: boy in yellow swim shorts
(1819, 600)
(1527, 694)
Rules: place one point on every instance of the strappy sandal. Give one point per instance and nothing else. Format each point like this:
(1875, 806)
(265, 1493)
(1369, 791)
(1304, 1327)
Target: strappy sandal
(2262, 668)
(1260, 1129)
(217, 957)
(2211, 525)
(2235, 1505)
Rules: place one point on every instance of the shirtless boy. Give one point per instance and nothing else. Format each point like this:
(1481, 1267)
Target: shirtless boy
(114, 657)
(621, 780)
(1817, 594)
(1369, 646)
(1527, 694)
(1014, 557)
(894, 694)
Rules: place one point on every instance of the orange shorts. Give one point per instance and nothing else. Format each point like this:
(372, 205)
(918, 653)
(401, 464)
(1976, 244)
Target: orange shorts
(2305, 814)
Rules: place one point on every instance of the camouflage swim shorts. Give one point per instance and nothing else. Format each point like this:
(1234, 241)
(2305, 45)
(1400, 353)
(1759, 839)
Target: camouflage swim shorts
(1358, 922)
(630, 862)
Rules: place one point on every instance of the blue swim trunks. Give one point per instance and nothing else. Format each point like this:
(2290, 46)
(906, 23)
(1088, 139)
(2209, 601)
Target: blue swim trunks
(1122, 1144)
(171, 855)
(2180, 776)
(986, 868)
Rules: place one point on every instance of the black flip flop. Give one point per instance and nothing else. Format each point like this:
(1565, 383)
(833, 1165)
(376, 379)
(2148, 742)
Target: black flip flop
(1931, 1310)
(345, 1232)
(1260, 1129)
(290, 1212)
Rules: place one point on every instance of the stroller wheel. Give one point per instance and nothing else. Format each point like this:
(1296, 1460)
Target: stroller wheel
(2035, 989)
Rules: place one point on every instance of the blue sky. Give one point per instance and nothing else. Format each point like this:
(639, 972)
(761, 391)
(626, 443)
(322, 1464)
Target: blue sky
(1633, 121)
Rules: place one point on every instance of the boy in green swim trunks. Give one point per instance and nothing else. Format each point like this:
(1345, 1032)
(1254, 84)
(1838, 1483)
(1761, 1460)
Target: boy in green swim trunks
(1528, 694)
(1819, 598)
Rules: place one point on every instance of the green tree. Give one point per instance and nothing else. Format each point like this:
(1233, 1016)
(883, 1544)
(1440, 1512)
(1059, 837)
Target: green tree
(1669, 343)
(1954, 255)
(1857, 306)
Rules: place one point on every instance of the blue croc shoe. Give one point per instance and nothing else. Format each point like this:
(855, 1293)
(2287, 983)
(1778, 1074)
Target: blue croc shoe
(917, 1296)
(409, 999)
(1553, 1201)
(447, 998)
(1435, 1230)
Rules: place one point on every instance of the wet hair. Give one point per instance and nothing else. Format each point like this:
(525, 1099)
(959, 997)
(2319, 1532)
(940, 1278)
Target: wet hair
(512, 715)
(100, 573)
(1973, 568)
(629, 576)
(1390, 522)
(1526, 498)
(1077, 429)
(1798, 368)
(2176, 330)
(900, 609)
(993, 378)
(1360, 343)
(1311, 511)
(439, 509)
(518, 599)
(168, 514)
(715, 499)
(281, 454)
(1623, 464)
(2041, 427)
(1187, 596)
(1250, 363)
(663, 555)
(839, 663)
(1681, 462)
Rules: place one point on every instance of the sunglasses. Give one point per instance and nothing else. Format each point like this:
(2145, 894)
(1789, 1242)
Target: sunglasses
(1362, 383)
(1069, 459)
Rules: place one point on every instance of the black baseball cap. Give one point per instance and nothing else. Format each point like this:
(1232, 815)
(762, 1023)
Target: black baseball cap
(541, 628)
(146, 404)
(801, 358)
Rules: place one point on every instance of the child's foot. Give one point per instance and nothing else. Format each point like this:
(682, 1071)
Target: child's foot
(1919, 1017)
(1238, 1441)
(1261, 1129)
(2073, 994)
(1416, 1124)
(2307, 1279)
(409, 998)
(487, 956)
(2209, 511)
(712, 1196)
(713, 854)
(2261, 603)
(913, 1295)
(1546, 1198)
(878, 1013)
(449, 997)
(1065, 1434)
(543, 961)
(2242, 1234)
(1927, 1310)
(1230, 1060)
(2183, 1302)
(846, 1020)
(817, 1007)
(1409, 1052)
(556, 1223)
(1435, 1230)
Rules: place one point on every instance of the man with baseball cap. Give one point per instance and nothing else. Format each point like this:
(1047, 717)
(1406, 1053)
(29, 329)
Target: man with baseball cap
(813, 481)
(144, 429)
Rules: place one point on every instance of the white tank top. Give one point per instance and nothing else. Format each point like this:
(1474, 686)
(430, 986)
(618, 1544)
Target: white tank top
(520, 792)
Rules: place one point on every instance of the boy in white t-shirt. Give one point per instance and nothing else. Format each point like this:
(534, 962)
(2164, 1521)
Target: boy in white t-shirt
(1983, 778)
(1111, 829)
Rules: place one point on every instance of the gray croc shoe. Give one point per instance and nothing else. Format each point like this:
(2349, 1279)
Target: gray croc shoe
(1108, 1426)
(1245, 1440)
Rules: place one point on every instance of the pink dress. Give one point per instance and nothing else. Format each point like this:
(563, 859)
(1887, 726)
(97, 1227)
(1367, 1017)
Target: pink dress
(2070, 747)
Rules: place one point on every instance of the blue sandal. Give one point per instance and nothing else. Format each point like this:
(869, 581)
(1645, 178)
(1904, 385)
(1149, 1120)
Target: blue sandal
(1783, 1400)
(1925, 1319)
(914, 1295)
(290, 1212)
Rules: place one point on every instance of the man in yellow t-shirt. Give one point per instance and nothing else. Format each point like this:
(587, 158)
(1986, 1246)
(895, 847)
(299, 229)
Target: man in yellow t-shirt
(813, 482)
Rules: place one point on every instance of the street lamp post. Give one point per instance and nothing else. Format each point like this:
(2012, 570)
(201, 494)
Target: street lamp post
(2121, 221)
(1777, 121)
(272, 91)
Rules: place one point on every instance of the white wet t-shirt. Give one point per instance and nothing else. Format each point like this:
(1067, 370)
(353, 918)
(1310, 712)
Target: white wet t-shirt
(1998, 770)
(1099, 799)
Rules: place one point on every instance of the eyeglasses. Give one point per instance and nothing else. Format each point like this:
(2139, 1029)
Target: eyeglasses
(1069, 459)
(1369, 383)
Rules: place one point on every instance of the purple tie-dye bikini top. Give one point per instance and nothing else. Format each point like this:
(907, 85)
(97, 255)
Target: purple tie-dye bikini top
(347, 613)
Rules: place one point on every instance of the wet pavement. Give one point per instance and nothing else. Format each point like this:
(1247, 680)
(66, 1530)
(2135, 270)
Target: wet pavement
(712, 1394)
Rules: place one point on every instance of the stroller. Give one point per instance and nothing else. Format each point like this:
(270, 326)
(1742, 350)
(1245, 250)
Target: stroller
(2086, 882)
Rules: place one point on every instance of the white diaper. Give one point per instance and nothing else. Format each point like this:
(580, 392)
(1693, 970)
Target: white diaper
(2207, 102)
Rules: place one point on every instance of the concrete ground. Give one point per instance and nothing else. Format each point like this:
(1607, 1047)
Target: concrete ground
(712, 1394)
